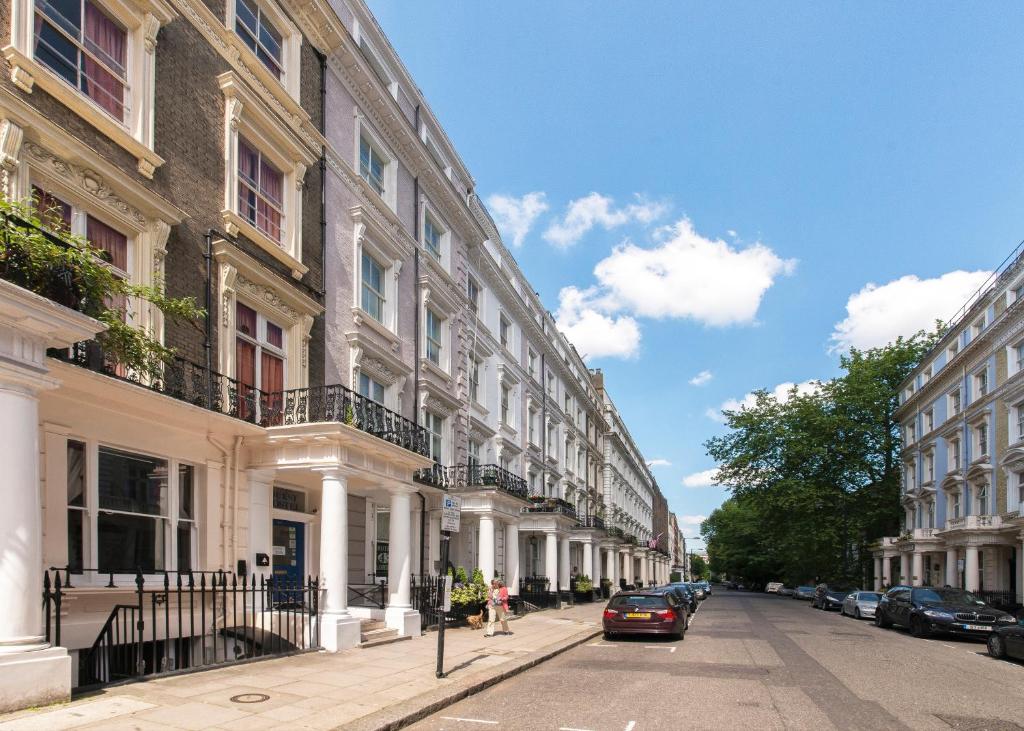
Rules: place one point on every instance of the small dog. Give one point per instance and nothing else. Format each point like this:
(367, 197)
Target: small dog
(476, 621)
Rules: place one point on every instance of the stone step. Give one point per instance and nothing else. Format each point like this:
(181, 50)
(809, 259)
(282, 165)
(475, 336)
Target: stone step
(368, 625)
(377, 637)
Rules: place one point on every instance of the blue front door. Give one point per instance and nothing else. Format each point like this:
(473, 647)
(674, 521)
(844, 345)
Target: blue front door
(289, 563)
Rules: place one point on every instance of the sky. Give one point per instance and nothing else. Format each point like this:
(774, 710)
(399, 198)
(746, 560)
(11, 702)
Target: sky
(723, 197)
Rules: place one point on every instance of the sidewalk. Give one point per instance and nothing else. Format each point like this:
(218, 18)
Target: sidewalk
(377, 688)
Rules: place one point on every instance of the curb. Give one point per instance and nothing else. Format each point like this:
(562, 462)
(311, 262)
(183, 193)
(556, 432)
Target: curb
(384, 720)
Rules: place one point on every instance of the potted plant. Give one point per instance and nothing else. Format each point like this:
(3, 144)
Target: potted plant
(469, 595)
(583, 590)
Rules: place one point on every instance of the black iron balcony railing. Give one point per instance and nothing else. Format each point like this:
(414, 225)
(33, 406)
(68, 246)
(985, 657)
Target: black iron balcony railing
(555, 505)
(591, 521)
(463, 476)
(615, 531)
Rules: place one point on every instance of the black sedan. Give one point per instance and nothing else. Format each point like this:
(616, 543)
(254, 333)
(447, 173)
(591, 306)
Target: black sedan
(830, 597)
(925, 610)
(689, 597)
(644, 613)
(1007, 641)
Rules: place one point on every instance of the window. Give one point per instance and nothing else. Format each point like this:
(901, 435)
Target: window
(910, 476)
(474, 454)
(259, 34)
(187, 533)
(929, 421)
(531, 362)
(77, 516)
(982, 430)
(1018, 352)
(435, 430)
(929, 468)
(954, 453)
(259, 353)
(978, 327)
(956, 505)
(506, 415)
(568, 405)
(931, 514)
(954, 402)
(503, 331)
(983, 500)
(432, 237)
(260, 188)
(1020, 422)
(81, 43)
(373, 288)
(926, 375)
(953, 349)
(371, 389)
(371, 166)
(433, 337)
(911, 434)
(981, 382)
(551, 384)
(473, 294)
(133, 495)
(532, 427)
(474, 381)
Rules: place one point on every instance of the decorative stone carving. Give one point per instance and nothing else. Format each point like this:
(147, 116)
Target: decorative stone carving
(378, 370)
(437, 406)
(11, 136)
(267, 296)
(150, 27)
(88, 180)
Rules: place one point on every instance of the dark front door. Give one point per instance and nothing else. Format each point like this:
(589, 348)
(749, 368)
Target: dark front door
(289, 563)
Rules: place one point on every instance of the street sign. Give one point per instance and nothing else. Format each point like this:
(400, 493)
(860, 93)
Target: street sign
(959, 564)
(451, 510)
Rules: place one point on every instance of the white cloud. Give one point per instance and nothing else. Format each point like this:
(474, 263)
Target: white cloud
(707, 478)
(782, 392)
(582, 214)
(516, 216)
(878, 314)
(594, 333)
(691, 520)
(689, 276)
(658, 463)
(702, 379)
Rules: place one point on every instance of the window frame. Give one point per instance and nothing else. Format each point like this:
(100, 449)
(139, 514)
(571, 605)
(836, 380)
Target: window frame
(371, 382)
(389, 177)
(473, 295)
(435, 426)
(434, 339)
(287, 86)
(367, 288)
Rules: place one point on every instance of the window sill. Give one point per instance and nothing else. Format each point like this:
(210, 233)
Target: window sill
(235, 225)
(362, 317)
(434, 368)
(26, 74)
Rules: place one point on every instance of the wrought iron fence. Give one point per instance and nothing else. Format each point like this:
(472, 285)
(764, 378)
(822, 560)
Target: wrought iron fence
(195, 620)
(463, 476)
(428, 600)
(591, 521)
(1004, 600)
(374, 596)
(336, 403)
(550, 505)
(536, 591)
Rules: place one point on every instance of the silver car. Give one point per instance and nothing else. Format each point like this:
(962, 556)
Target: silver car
(860, 604)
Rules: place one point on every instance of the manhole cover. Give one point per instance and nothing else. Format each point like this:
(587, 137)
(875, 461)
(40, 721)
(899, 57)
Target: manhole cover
(250, 698)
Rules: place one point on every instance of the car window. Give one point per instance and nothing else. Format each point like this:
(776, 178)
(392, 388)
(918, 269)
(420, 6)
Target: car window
(952, 596)
(634, 600)
(868, 596)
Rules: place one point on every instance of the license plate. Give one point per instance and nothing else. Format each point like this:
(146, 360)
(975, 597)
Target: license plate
(638, 615)
(979, 627)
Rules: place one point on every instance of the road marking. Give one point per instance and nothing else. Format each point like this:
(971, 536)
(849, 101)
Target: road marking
(600, 644)
(659, 647)
(630, 725)
(570, 728)
(469, 720)
(945, 645)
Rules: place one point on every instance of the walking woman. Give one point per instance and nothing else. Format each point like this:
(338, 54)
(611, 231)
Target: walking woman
(497, 608)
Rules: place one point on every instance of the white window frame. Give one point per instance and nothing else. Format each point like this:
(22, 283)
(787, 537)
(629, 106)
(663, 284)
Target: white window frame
(364, 131)
(475, 302)
(981, 439)
(955, 454)
(435, 426)
(956, 402)
(142, 21)
(371, 382)
(247, 116)
(981, 501)
(291, 49)
(929, 421)
(504, 332)
(261, 343)
(980, 383)
(429, 214)
(506, 406)
(476, 384)
(378, 65)
(366, 289)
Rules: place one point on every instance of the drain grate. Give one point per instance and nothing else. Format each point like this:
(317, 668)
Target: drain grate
(971, 723)
(250, 698)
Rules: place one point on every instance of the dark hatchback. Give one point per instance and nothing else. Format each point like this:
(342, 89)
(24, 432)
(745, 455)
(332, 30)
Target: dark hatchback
(645, 613)
(925, 610)
(829, 597)
(1007, 640)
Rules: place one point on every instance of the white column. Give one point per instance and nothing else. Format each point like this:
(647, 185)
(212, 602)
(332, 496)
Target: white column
(588, 560)
(918, 575)
(512, 557)
(340, 630)
(644, 561)
(952, 576)
(971, 569)
(904, 568)
(399, 613)
(596, 567)
(611, 559)
(563, 563)
(878, 574)
(31, 672)
(551, 560)
(887, 570)
(486, 547)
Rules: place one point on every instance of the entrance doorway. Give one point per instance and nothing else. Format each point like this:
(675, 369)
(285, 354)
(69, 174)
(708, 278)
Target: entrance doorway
(289, 562)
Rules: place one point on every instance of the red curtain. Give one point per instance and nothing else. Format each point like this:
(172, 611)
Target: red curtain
(52, 210)
(274, 335)
(106, 41)
(115, 243)
(245, 320)
(272, 373)
(271, 184)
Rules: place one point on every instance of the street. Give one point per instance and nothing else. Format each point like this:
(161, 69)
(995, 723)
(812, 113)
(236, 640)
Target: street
(756, 661)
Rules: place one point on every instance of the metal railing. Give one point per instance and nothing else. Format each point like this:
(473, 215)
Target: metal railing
(463, 476)
(591, 521)
(374, 596)
(550, 505)
(198, 619)
(535, 591)
(427, 598)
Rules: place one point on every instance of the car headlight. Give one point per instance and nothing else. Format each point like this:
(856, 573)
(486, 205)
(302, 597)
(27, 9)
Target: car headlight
(937, 614)
(1007, 620)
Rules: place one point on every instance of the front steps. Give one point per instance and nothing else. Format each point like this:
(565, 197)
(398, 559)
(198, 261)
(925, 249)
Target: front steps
(373, 632)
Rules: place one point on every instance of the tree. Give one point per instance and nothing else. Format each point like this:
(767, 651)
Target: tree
(698, 567)
(815, 476)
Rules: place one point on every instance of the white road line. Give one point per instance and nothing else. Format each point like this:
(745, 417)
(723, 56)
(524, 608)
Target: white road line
(570, 728)
(630, 725)
(600, 644)
(945, 645)
(469, 720)
(659, 647)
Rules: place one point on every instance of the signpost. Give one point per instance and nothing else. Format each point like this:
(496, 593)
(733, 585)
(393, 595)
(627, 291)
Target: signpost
(451, 513)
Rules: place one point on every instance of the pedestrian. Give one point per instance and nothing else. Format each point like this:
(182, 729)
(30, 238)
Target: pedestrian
(497, 606)
(503, 607)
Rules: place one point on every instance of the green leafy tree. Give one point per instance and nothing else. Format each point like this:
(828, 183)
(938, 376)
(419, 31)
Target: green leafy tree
(699, 567)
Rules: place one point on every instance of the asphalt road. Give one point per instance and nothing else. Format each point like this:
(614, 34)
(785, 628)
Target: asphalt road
(753, 662)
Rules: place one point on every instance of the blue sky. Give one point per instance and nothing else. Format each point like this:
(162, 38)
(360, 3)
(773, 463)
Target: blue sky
(717, 184)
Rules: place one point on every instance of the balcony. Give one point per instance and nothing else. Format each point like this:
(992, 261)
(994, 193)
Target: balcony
(975, 522)
(553, 505)
(591, 521)
(469, 477)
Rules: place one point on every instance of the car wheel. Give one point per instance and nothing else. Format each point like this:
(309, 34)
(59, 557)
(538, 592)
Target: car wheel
(881, 621)
(856, 613)
(996, 646)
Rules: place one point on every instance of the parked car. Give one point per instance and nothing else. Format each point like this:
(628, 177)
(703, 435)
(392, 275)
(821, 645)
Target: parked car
(1007, 641)
(860, 604)
(706, 586)
(773, 587)
(830, 597)
(697, 590)
(787, 591)
(683, 595)
(644, 613)
(691, 596)
(804, 592)
(925, 610)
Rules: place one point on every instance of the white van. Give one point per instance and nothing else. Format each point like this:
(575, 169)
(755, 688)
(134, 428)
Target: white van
(773, 587)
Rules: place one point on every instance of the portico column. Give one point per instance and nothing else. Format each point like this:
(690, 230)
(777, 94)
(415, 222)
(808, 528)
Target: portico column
(512, 558)
(399, 613)
(918, 577)
(486, 544)
(596, 566)
(340, 630)
(886, 570)
(551, 560)
(878, 573)
(971, 569)
(611, 558)
(904, 568)
(952, 577)
(563, 563)
(588, 559)
(31, 672)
